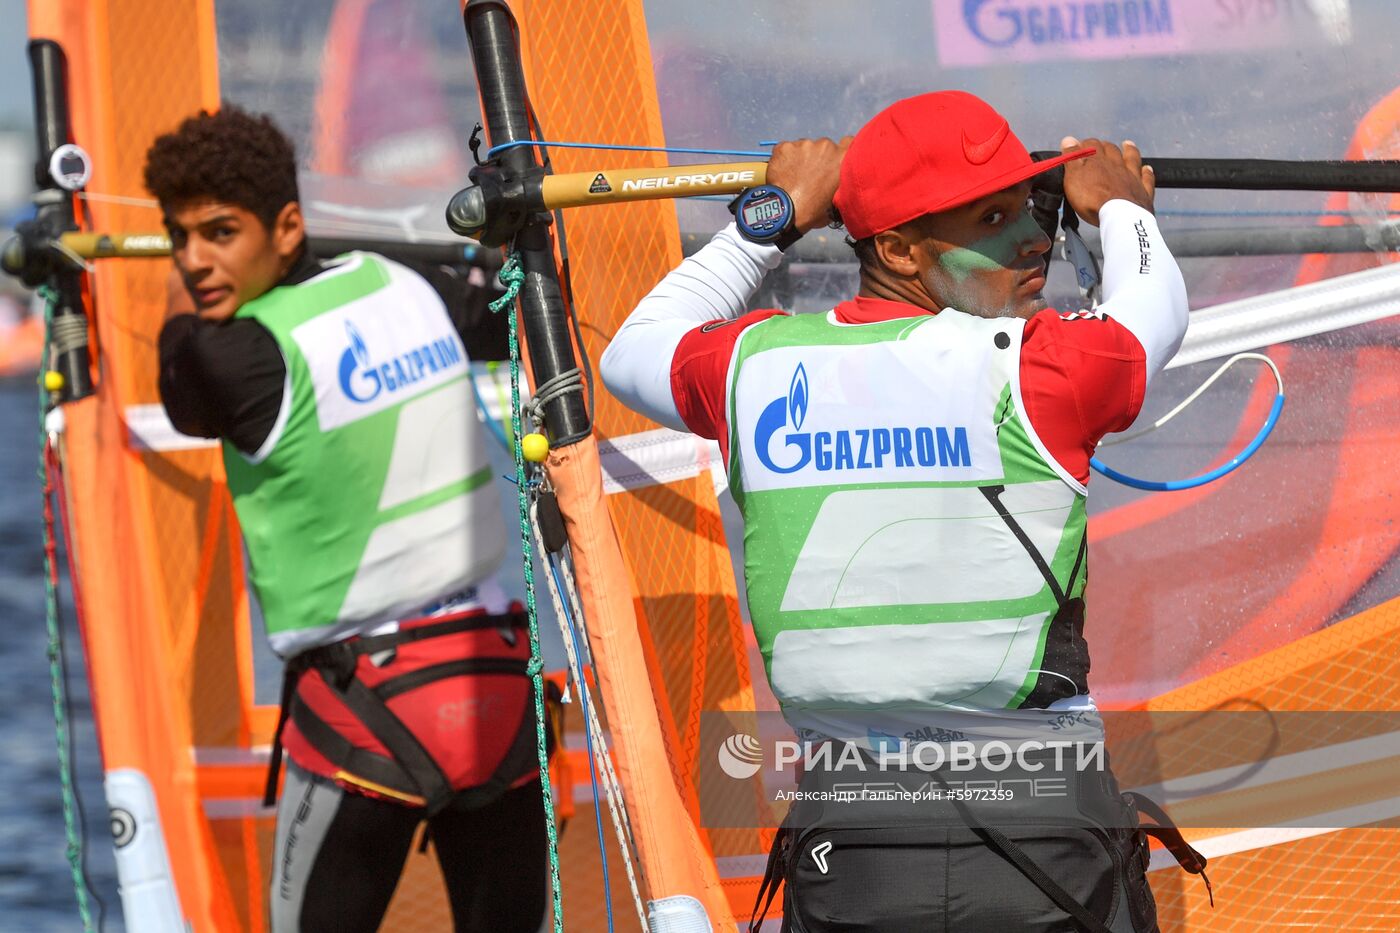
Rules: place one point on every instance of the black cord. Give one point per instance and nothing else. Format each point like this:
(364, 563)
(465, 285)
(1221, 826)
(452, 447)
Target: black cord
(81, 810)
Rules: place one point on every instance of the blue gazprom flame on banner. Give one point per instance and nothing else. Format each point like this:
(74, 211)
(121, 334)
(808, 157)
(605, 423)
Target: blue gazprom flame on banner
(797, 397)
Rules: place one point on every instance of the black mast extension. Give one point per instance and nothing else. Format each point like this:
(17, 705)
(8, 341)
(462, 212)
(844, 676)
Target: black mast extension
(505, 110)
(68, 352)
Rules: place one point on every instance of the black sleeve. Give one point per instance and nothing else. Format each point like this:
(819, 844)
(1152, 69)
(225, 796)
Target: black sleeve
(467, 294)
(221, 379)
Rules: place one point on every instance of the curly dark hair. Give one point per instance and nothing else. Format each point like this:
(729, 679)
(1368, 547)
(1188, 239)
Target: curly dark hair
(229, 155)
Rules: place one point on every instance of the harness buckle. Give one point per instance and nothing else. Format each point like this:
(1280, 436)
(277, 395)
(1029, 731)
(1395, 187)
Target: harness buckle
(336, 662)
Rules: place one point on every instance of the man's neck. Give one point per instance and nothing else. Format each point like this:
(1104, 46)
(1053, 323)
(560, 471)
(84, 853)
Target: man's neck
(908, 291)
(303, 267)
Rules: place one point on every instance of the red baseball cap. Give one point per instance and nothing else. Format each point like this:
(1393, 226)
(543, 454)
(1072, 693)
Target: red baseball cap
(927, 154)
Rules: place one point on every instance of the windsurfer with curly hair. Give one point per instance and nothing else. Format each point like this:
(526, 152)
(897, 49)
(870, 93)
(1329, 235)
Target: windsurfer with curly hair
(358, 469)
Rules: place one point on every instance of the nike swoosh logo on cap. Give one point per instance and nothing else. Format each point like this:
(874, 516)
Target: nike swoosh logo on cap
(981, 153)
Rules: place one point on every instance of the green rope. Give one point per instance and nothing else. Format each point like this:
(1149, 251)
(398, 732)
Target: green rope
(62, 732)
(511, 276)
(501, 400)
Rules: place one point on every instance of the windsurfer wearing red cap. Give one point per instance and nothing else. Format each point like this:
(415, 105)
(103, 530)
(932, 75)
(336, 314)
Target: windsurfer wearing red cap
(912, 469)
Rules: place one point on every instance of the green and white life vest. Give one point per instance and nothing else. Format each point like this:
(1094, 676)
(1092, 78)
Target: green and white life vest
(372, 494)
(909, 542)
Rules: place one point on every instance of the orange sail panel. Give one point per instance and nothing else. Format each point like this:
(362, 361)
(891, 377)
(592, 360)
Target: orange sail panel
(159, 567)
(687, 639)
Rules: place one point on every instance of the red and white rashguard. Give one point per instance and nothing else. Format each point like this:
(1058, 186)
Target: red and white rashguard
(1083, 374)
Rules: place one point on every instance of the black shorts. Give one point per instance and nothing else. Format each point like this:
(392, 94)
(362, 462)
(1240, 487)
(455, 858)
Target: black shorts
(339, 855)
(922, 867)
(922, 880)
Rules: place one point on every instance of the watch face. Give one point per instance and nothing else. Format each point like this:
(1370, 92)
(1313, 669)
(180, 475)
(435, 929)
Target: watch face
(70, 167)
(764, 211)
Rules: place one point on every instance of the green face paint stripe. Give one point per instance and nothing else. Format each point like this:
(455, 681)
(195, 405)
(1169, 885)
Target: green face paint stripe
(989, 254)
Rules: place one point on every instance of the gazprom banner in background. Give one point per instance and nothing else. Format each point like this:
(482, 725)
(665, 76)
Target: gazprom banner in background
(985, 32)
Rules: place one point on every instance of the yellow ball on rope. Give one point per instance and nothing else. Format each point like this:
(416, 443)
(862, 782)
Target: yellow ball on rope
(54, 381)
(535, 447)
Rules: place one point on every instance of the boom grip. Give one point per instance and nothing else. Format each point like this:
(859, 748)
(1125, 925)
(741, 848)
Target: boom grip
(1260, 174)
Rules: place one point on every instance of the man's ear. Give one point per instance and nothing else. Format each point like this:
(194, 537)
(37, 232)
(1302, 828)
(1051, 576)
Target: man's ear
(895, 251)
(288, 231)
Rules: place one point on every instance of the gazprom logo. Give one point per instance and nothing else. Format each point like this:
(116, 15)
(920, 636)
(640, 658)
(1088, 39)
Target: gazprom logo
(861, 448)
(797, 397)
(363, 377)
(1003, 23)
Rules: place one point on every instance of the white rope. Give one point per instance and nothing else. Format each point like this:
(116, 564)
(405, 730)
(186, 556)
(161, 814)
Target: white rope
(1278, 377)
(611, 786)
(595, 723)
(118, 199)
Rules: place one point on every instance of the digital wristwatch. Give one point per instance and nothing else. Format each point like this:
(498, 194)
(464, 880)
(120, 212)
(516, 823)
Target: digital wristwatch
(764, 215)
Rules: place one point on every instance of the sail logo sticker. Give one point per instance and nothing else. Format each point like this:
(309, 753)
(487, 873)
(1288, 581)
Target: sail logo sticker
(123, 826)
(1000, 24)
(677, 182)
(600, 185)
(363, 378)
(873, 447)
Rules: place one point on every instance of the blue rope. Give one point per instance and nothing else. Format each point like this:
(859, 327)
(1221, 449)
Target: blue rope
(495, 150)
(588, 740)
(1177, 484)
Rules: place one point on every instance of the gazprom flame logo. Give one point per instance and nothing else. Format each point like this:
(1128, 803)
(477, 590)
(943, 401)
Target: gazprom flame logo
(740, 756)
(797, 397)
(355, 368)
(777, 415)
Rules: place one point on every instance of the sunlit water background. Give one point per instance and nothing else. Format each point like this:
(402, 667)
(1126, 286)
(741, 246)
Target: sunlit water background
(36, 888)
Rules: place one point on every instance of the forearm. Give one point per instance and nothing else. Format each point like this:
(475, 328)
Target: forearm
(221, 380)
(181, 385)
(715, 284)
(1142, 284)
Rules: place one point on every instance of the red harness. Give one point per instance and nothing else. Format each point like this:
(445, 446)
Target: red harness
(440, 711)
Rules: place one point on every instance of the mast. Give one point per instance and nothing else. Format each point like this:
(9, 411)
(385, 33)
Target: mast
(680, 876)
(506, 113)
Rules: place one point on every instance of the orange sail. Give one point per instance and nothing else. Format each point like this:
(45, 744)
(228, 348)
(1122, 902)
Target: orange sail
(1273, 587)
(167, 652)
